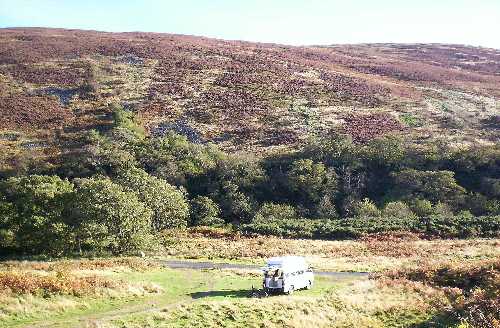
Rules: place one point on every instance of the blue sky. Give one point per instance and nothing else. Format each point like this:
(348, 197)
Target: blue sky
(297, 22)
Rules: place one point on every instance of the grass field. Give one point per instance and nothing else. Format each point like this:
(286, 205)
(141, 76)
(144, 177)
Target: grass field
(419, 283)
(136, 294)
(212, 298)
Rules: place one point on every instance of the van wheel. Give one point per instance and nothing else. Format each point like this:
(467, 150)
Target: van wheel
(309, 285)
(290, 290)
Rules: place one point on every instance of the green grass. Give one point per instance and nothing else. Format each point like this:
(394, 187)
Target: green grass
(355, 303)
(178, 287)
(411, 120)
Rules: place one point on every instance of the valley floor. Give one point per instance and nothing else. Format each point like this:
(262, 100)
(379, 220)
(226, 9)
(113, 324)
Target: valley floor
(134, 292)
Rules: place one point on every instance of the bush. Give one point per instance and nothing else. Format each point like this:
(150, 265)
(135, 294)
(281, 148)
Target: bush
(326, 209)
(461, 226)
(237, 205)
(125, 119)
(450, 227)
(421, 207)
(205, 212)
(442, 209)
(479, 205)
(109, 218)
(169, 205)
(175, 159)
(103, 155)
(471, 288)
(289, 228)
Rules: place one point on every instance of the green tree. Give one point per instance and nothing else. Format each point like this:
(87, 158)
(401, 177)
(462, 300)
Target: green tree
(273, 212)
(365, 209)
(421, 207)
(432, 185)
(169, 205)
(235, 183)
(33, 213)
(326, 208)
(336, 150)
(479, 204)
(310, 182)
(387, 151)
(103, 154)
(398, 210)
(236, 205)
(442, 209)
(109, 218)
(175, 159)
(205, 212)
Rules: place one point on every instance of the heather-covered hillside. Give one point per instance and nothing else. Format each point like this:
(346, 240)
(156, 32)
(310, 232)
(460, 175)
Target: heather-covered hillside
(55, 84)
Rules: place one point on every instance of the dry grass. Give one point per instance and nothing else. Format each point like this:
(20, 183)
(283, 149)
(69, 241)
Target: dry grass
(374, 253)
(43, 289)
(471, 289)
(58, 283)
(112, 264)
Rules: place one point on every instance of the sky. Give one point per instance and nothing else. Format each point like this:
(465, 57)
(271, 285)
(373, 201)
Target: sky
(294, 22)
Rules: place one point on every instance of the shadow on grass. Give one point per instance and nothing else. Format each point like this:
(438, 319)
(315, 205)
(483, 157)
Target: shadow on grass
(222, 293)
(240, 293)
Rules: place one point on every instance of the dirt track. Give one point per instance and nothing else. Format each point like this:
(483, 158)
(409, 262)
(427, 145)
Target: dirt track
(184, 264)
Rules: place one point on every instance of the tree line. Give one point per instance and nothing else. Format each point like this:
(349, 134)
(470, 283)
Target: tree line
(123, 188)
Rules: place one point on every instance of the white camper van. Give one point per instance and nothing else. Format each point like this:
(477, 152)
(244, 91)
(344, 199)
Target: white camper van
(286, 274)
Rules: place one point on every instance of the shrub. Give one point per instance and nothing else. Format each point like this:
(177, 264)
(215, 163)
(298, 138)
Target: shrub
(481, 205)
(125, 119)
(450, 227)
(472, 289)
(104, 155)
(326, 209)
(367, 225)
(442, 209)
(461, 226)
(290, 228)
(59, 283)
(237, 205)
(175, 159)
(205, 212)
(386, 151)
(169, 205)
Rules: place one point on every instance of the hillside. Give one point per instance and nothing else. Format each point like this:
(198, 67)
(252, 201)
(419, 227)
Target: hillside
(55, 84)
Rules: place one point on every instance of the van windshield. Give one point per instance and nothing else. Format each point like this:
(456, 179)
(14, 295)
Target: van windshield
(274, 273)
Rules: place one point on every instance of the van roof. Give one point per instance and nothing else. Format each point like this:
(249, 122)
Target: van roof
(287, 261)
